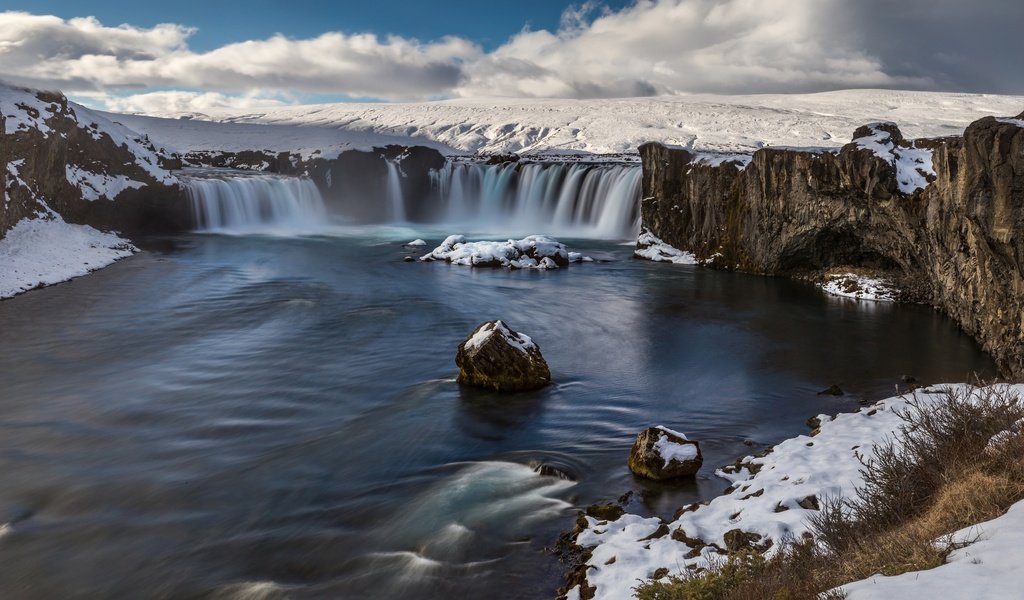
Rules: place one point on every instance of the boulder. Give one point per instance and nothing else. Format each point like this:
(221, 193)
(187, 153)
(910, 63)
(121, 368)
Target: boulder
(660, 453)
(496, 357)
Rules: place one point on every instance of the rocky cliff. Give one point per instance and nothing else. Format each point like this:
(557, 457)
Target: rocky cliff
(63, 158)
(943, 219)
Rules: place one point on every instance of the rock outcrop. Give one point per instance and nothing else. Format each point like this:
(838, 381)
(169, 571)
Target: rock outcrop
(941, 219)
(660, 453)
(496, 357)
(60, 157)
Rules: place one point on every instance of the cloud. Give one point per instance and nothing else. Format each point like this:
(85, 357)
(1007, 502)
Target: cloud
(82, 55)
(649, 47)
(177, 103)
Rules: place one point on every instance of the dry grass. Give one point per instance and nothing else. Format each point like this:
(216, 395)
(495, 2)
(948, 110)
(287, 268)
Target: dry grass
(941, 474)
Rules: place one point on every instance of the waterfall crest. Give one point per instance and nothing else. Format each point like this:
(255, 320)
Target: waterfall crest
(587, 199)
(226, 201)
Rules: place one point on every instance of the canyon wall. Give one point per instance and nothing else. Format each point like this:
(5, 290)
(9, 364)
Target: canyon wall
(943, 219)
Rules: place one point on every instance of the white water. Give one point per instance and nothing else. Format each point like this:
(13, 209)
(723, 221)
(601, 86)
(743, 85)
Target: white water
(229, 202)
(396, 200)
(599, 200)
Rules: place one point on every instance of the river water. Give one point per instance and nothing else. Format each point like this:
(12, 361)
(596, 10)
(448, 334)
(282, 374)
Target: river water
(257, 416)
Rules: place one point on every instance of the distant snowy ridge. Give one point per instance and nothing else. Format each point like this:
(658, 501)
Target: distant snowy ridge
(707, 123)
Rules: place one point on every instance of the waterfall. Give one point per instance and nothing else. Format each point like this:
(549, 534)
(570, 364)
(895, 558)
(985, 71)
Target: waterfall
(396, 201)
(587, 199)
(233, 201)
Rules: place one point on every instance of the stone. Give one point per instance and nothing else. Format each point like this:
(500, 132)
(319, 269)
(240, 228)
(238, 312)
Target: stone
(832, 390)
(659, 454)
(498, 358)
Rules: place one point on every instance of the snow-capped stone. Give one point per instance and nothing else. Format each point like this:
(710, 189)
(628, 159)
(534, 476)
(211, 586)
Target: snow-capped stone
(496, 357)
(416, 242)
(652, 247)
(531, 252)
(660, 453)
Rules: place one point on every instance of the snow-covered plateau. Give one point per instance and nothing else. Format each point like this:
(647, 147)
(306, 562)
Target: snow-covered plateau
(719, 124)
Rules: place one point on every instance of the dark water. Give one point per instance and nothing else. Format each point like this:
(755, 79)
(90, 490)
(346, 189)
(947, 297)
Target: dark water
(258, 417)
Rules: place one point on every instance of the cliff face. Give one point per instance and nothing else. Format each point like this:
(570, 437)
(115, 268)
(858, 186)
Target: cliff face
(66, 159)
(943, 219)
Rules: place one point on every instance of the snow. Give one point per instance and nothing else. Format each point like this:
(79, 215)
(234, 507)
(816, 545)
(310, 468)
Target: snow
(521, 342)
(46, 250)
(986, 569)
(23, 110)
(766, 499)
(669, 450)
(416, 242)
(1017, 122)
(653, 248)
(531, 252)
(99, 185)
(913, 165)
(308, 141)
(862, 287)
(707, 123)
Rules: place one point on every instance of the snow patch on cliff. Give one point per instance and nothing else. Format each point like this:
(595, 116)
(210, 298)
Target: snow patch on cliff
(99, 185)
(45, 250)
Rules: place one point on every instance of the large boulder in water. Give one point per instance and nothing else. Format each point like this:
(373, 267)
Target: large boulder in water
(660, 453)
(496, 357)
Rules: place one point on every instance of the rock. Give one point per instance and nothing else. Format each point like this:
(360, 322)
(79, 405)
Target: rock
(954, 243)
(547, 470)
(832, 390)
(660, 453)
(605, 512)
(737, 540)
(409, 259)
(908, 379)
(498, 358)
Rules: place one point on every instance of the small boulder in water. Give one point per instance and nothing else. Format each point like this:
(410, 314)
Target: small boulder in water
(660, 453)
(531, 252)
(416, 242)
(496, 357)
(832, 390)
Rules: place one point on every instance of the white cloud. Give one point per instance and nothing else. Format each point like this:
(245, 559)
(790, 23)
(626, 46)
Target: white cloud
(649, 47)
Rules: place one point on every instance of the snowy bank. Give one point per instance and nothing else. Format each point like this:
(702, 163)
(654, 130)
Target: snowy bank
(986, 568)
(770, 500)
(46, 250)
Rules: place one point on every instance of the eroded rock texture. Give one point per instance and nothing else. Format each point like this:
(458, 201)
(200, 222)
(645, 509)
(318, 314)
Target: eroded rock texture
(954, 242)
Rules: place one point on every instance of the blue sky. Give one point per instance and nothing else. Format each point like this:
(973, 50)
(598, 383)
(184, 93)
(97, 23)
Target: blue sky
(486, 22)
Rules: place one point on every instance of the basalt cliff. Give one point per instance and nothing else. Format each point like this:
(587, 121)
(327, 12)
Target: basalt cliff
(943, 219)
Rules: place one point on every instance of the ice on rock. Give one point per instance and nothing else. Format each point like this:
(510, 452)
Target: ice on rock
(651, 247)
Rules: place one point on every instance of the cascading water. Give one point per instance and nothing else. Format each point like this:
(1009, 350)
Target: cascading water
(232, 201)
(590, 199)
(396, 200)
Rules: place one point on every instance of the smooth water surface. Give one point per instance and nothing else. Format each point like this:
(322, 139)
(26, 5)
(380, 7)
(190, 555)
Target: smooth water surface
(260, 416)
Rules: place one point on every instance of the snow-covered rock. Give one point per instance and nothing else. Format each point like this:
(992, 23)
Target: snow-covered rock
(862, 287)
(531, 252)
(496, 357)
(660, 453)
(651, 247)
(913, 165)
